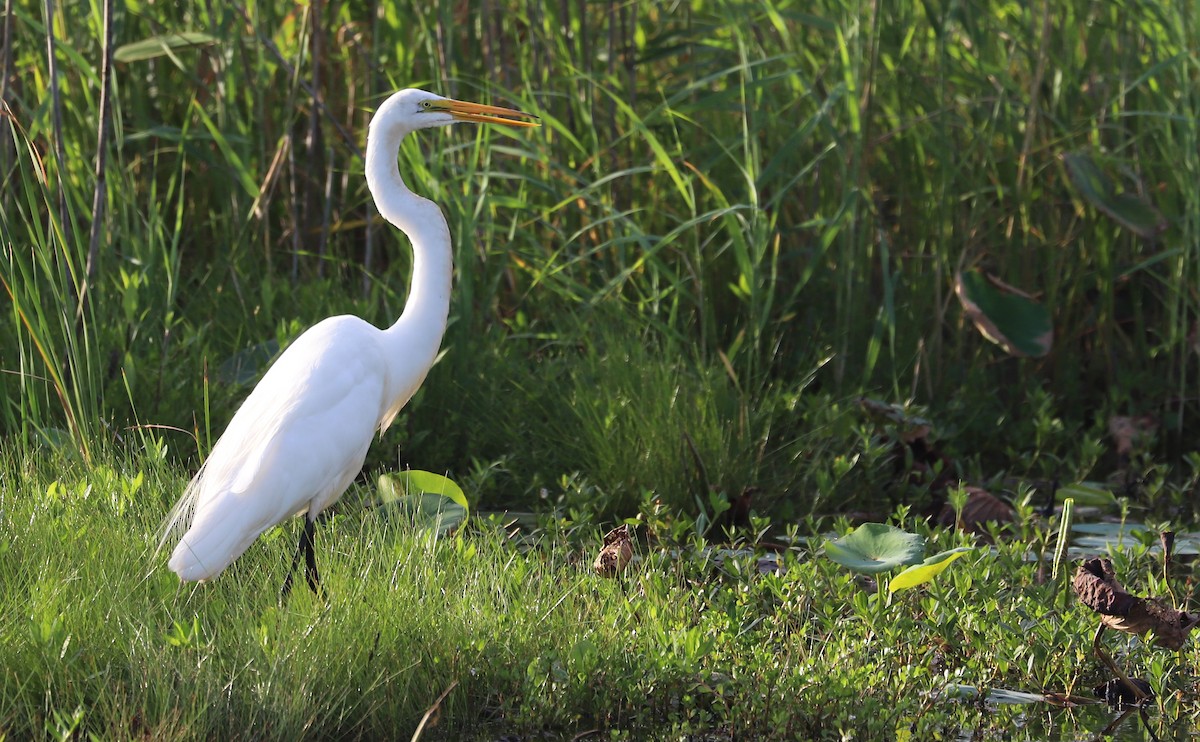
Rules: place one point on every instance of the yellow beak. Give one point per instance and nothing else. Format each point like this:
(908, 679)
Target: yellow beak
(481, 114)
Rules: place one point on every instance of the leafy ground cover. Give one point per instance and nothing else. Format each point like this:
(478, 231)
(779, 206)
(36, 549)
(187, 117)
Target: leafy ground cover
(762, 636)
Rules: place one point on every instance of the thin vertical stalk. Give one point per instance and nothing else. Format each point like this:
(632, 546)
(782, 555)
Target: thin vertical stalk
(102, 135)
(5, 73)
(368, 261)
(60, 157)
(312, 142)
(326, 212)
(293, 212)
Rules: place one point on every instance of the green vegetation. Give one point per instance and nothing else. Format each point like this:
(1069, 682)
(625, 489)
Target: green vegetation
(737, 220)
(691, 639)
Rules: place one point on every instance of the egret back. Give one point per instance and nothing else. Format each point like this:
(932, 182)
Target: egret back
(293, 447)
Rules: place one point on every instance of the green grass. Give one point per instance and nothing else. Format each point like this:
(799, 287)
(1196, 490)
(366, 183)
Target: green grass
(97, 636)
(758, 189)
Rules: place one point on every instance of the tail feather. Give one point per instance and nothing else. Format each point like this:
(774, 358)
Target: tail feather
(177, 521)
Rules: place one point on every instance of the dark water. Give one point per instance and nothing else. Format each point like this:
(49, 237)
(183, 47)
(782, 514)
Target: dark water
(1042, 721)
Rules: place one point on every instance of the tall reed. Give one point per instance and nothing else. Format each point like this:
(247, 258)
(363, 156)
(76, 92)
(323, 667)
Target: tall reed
(764, 182)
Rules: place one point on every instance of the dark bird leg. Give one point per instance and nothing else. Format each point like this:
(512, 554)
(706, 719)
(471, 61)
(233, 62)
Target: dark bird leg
(305, 547)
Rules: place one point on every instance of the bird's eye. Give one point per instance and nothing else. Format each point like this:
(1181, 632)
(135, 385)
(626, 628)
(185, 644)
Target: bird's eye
(426, 104)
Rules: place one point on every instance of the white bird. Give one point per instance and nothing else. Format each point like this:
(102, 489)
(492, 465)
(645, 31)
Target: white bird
(300, 438)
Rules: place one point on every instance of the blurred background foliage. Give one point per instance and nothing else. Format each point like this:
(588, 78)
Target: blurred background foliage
(737, 218)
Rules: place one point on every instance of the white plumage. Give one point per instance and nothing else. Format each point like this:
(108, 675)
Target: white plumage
(300, 438)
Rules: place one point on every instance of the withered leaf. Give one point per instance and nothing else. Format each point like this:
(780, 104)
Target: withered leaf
(617, 551)
(1097, 587)
(981, 508)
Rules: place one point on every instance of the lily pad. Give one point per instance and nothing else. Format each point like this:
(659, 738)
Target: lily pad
(875, 547)
(1111, 530)
(1008, 317)
(927, 570)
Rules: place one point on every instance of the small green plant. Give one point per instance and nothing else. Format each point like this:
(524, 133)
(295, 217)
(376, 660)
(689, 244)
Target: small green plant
(874, 548)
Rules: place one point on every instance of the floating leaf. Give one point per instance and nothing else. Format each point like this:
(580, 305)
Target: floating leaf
(1111, 530)
(1007, 316)
(431, 499)
(162, 45)
(1128, 209)
(927, 570)
(874, 547)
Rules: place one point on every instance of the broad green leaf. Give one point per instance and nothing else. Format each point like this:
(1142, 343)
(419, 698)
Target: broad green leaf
(927, 570)
(874, 547)
(1087, 493)
(415, 481)
(162, 45)
(1136, 214)
(1128, 209)
(1088, 179)
(431, 499)
(1012, 320)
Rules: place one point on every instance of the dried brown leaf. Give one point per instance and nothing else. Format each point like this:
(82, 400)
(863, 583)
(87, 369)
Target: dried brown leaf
(981, 507)
(1097, 587)
(617, 551)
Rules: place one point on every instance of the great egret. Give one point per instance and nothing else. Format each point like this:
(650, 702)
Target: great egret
(301, 436)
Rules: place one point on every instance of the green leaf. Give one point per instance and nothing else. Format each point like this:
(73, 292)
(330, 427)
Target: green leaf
(162, 45)
(1136, 214)
(1128, 209)
(927, 570)
(432, 500)
(1087, 493)
(874, 547)
(1007, 317)
(1088, 179)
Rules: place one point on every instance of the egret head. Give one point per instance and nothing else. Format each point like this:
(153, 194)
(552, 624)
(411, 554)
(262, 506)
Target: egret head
(412, 109)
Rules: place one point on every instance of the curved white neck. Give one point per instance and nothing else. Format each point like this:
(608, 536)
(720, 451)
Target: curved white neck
(415, 337)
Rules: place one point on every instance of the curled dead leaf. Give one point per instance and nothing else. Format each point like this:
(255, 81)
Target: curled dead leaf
(616, 553)
(1097, 587)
